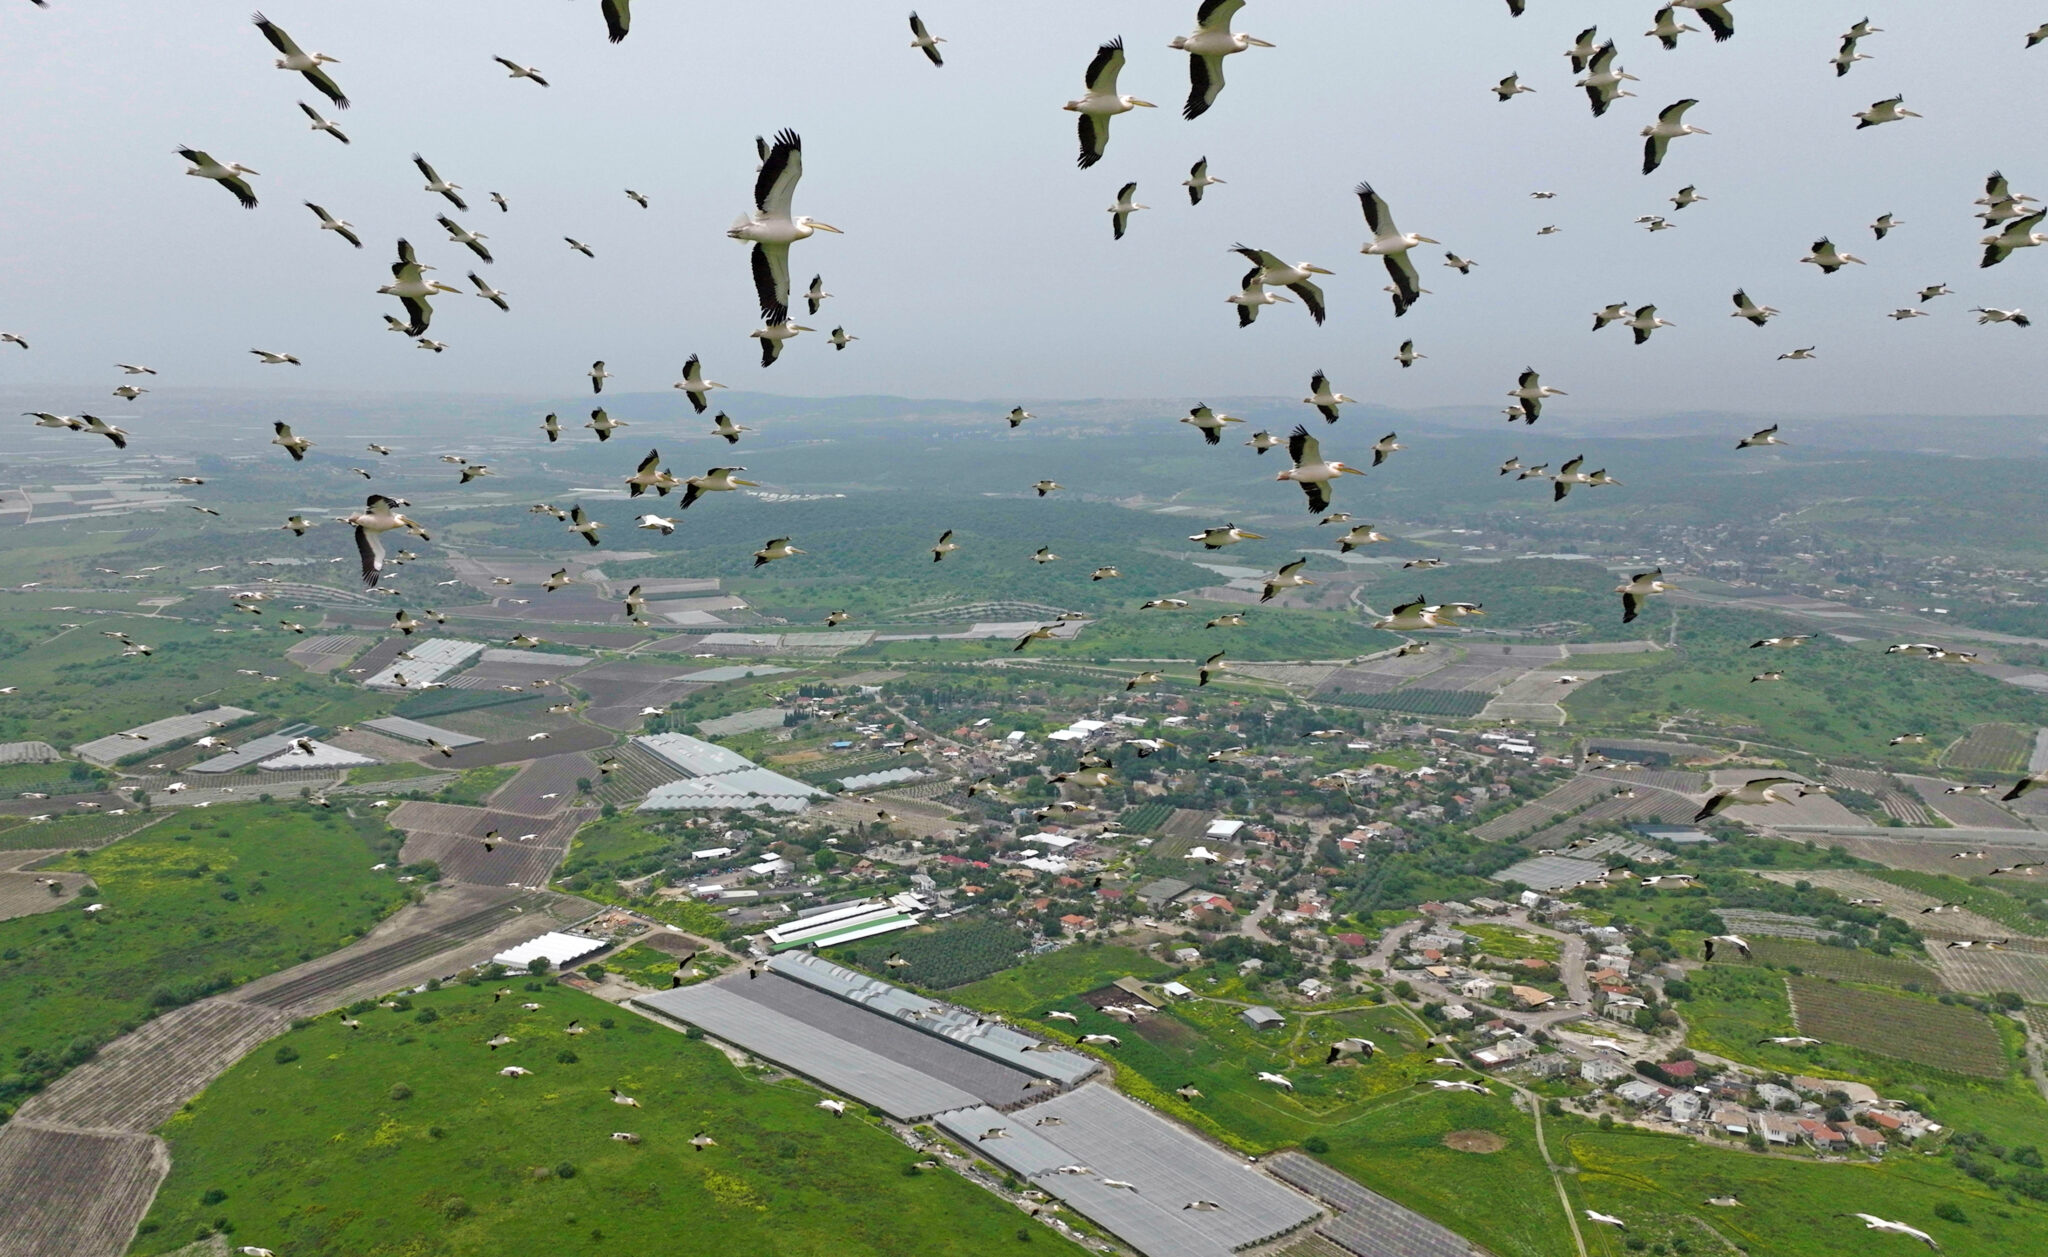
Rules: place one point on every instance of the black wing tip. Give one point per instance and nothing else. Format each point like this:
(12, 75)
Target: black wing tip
(786, 138)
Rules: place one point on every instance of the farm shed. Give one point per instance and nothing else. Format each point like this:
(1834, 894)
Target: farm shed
(556, 948)
(1260, 1017)
(431, 660)
(157, 733)
(413, 731)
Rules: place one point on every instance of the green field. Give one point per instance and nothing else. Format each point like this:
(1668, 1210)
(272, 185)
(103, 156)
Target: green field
(1422, 702)
(652, 967)
(200, 902)
(1504, 942)
(1041, 981)
(80, 829)
(1993, 748)
(1946, 1037)
(402, 1138)
(953, 953)
(401, 770)
(1986, 901)
(1842, 963)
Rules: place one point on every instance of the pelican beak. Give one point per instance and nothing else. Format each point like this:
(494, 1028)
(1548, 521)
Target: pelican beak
(793, 549)
(1143, 104)
(1070, 106)
(1252, 536)
(748, 483)
(1702, 131)
(1317, 270)
(1349, 470)
(245, 170)
(1428, 240)
(1256, 41)
(1277, 297)
(801, 328)
(827, 227)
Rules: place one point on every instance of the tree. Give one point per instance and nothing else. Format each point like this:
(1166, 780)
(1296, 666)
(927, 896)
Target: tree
(539, 965)
(594, 971)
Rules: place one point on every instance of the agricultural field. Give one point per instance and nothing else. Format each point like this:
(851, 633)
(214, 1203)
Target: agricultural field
(1947, 1037)
(1421, 702)
(952, 954)
(73, 777)
(652, 967)
(198, 903)
(1986, 901)
(1145, 818)
(476, 784)
(81, 830)
(400, 770)
(1507, 943)
(490, 1164)
(1029, 988)
(1840, 963)
(1992, 748)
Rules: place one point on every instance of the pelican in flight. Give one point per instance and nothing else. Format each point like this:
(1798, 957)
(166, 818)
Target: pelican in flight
(1360, 535)
(228, 175)
(296, 59)
(1509, 88)
(715, 480)
(815, 295)
(1018, 415)
(12, 338)
(1882, 225)
(1212, 41)
(1293, 276)
(100, 427)
(435, 183)
(1766, 436)
(1643, 321)
(1991, 314)
(1829, 258)
(1102, 102)
(1406, 355)
(579, 247)
(1670, 124)
(1891, 109)
(1392, 244)
(694, 383)
(722, 425)
(1263, 440)
(1639, 587)
(1872, 1222)
(603, 424)
(518, 71)
(598, 375)
(1747, 309)
(412, 288)
(293, 444)
(1209, 423)
(488, 293)
(1754, 792)
(1227, 535)
(271, 359)
(1324, 398)
(320, 123)
(1530, 390)
(1613, 312)
(778, 548)
(379, 515)
(2019, 233)
(1125, 206)
(771, 228)
(771, 337)
(1799, 355)
(649, 475)
(1198, 179)
(1311, 471)
(1594, 1215)
(1252, 295)
(329, 222)
(1666, 28)
(924, 39)
(1603, 79)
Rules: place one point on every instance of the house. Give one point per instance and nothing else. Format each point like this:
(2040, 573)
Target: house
(1506, 1052)
(1457, 1012)
(1478, 988)
(1774, 1095)
(1622, 1008)
(1178, 990)
(1778, 1129)
(1186, 955)
(1857, 1092)
(1639, 1092)
(1822, 1136)
(1864, 1138)
(1731, 1119)
(1684, 1107)
(1136, 987)
(1687, 1070)
(1350, 940)
(1251, 966)
(1075, 921)
(1531, 997)
(1260, 1017)
(1312, 988)
(1600, 1071)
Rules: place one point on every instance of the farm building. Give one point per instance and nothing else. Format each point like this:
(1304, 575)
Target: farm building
(719, 779)
(157, 734)
(414, 731)
(1260, 1017)
(558, 949)
(431, 660)
(27, 753)
(1551, 872)
(273, 746)
(845, 924)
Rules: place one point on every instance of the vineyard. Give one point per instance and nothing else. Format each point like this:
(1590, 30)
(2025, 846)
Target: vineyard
(1993, 748)
(952, 955)
(1419, 701)
(1841, 963)
(1948, 1037)
(79, 831)
(1145, 818)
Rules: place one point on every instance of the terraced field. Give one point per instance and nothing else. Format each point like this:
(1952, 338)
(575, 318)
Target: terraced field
(1947, 1037)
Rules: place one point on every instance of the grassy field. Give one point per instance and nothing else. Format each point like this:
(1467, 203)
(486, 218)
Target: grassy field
(476, 784)
(1993, 748)
(1841, 963)
(200, 902)
(652, 967)
(402, 770)
(1946, 1037)
(1507, 943)
(402, 1138)
(1042, 981)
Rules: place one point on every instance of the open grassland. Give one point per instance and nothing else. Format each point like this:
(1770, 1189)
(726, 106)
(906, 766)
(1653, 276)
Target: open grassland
(1841, 963)
(198, 903)
(1507, 943)
(1658, 1185)
(1043, 981)
(402, 1137)
(1993, 748)
(1947, 1037)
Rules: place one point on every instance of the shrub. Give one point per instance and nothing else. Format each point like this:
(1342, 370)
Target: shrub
(540, 965)
(565, 1170)
(286, 1054)
(1315, 1144)
(567, 1057)
(426, 1016)
(594, 971)
(455, 1207)
(399, 1091)
(212, 1196)
(1948, 1211)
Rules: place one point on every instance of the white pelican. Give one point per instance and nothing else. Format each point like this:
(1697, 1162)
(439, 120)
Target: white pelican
(488, 293)
(412, 288)
(1044, 554)
(722, 425)
(1882, 225)
(1263, 440)
(579, 247)
(329, 222)
(435, 183)
(1509, 88)
(1549, 230)
(777, 548)
(1799, 355)
(1392, 244)
(1603, 79)
(1209, 423)
(1217, 538)
(128, 392)
(378, 516)
(604, 425)
(1932, 291)
(1639, 587)
(1687, 195)
(598, 375)
(504, 206)
(771, 337)
(839, 339)
(1123, 209)
(436, 346)
(1715, 14)
(1407, 356)
(1278, 1080)
(649, 475)
(637, 198)
(1102, 102)
(1212, 41)
(1847, 56)
(946, 545)
(1104, 573)
(1988, 314)
(1461, 265)
(1252, 295)
(694, 383)
(1906, 312)
(12, 338)
(1827, 256)
(1198, 179)
(320, 123)
(1607, 1219)
(1891, 109)
(1213, 664)
(1580, 54)
(1459, 1084)
(271, 359)
(815, 295)
(44, 419)
(1164, 604)
(553, 427)
(1323, 397)
(1871, 1222)
(1766, 436)
(1530, 390)
(1613, 312)
(1756, 791)
(306, 63)
(618, 23)
(1643, 321)
(1047, 486)
(583, 524)
(1294, 277)
(1360, 535)
(518, 71)
(458, 234)
(1567, 475)
(1311, 471)
(1666, 28)
(714, 480)
(924, 39)
(771, 228)
(100, 427)
(1384, 447)
(228, 175)
(1018, 415)
(1669, 126)
(1747, 309)
(2019, 233)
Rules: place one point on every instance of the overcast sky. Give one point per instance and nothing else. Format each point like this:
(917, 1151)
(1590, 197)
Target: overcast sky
(977, 261)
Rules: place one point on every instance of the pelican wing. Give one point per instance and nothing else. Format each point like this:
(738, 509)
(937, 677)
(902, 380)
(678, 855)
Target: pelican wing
(1262, 258)
(1094, 129)
(815, 295)
(1303, 447)
(371, 550)
(1216, 15)
(490, 294)
(1378, 216)
(1318, 497)
(419, 312)
(771, 280)
(278, 39)
(1407, 284)
(1630, 605)
(1197, 172)
(693, 373)
(1311, 296)
(1653, 151)
(326, 86)
(1205, 84)
(1102, 71)
(618, 18)
(1674, 114)
(776, 183)
(1718, 20)
(771, 349)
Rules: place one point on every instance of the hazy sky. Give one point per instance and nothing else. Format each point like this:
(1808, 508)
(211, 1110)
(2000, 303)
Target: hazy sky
(977, 261)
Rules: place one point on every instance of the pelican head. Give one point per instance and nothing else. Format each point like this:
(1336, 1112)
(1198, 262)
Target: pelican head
(815, 225)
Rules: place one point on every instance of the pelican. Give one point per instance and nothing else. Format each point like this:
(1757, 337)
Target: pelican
(946, 545)
(924, 39)
(1360, 535)
(1217, 538)
(1123, 209)
(1765, 436)
(1639, 587)
(1351, 1047)
(2019, 233)
(1213, 664)
(776, 548)
(1459, 1084)
(435, 183)
(649, 475)
(1251, 296)
(1198, 179)
(1798, 355)
(618, 23)
(1311, 471)
(294, 445)
(1509, 88)
(320, 123)
(1669, 126)
(379, 515)
(722, 425)
(1461, 265)
(1828, 258)
(1104, 573)
(1883, 224)
(1384, 447)
(771, 228)
(1278, 1080)
(1047, 486)
(1548, 231)
(1715, 14)
(1209, 423)
(12, 338)
(1424, 563)
(1747, 309)
(815, 295)
(1687, 195)
(1871, 1222)
(579, 247)
(517, 71)
(488, 293)
(1168, 604)
(637, 198)
(1932, 291)
(1643, 321)
(1754, 792)
(504, 206)
(553, 427)
(656, 523)
(1906, 312)
(1392, 244)
(1667, 28)
(1262, 441)
(1044, 554)
(1102, 102)
(714, 480)
(228, 175)
(1592, 1215)
(302, 62)
(329, 222)
(1187, 1092)
(836, 618)
(584, 525)
(1603, 79)
(1288, 577)
(694, 383)
(604, 425)
(1847, 56)
(412, 288)
(1568, 474)
(296, 525)
(1614, 312)
(458, 234)
(100, 427)
(1891, 109)
(839, 339)
(1018, 415)
(598, 375)
(1323, 397)
(1530, 390)
(128, 392)
(1212, 41)
(1580, 54)
(771, 337)
(1990, 314)
(1407, 356)
(1292, 276)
